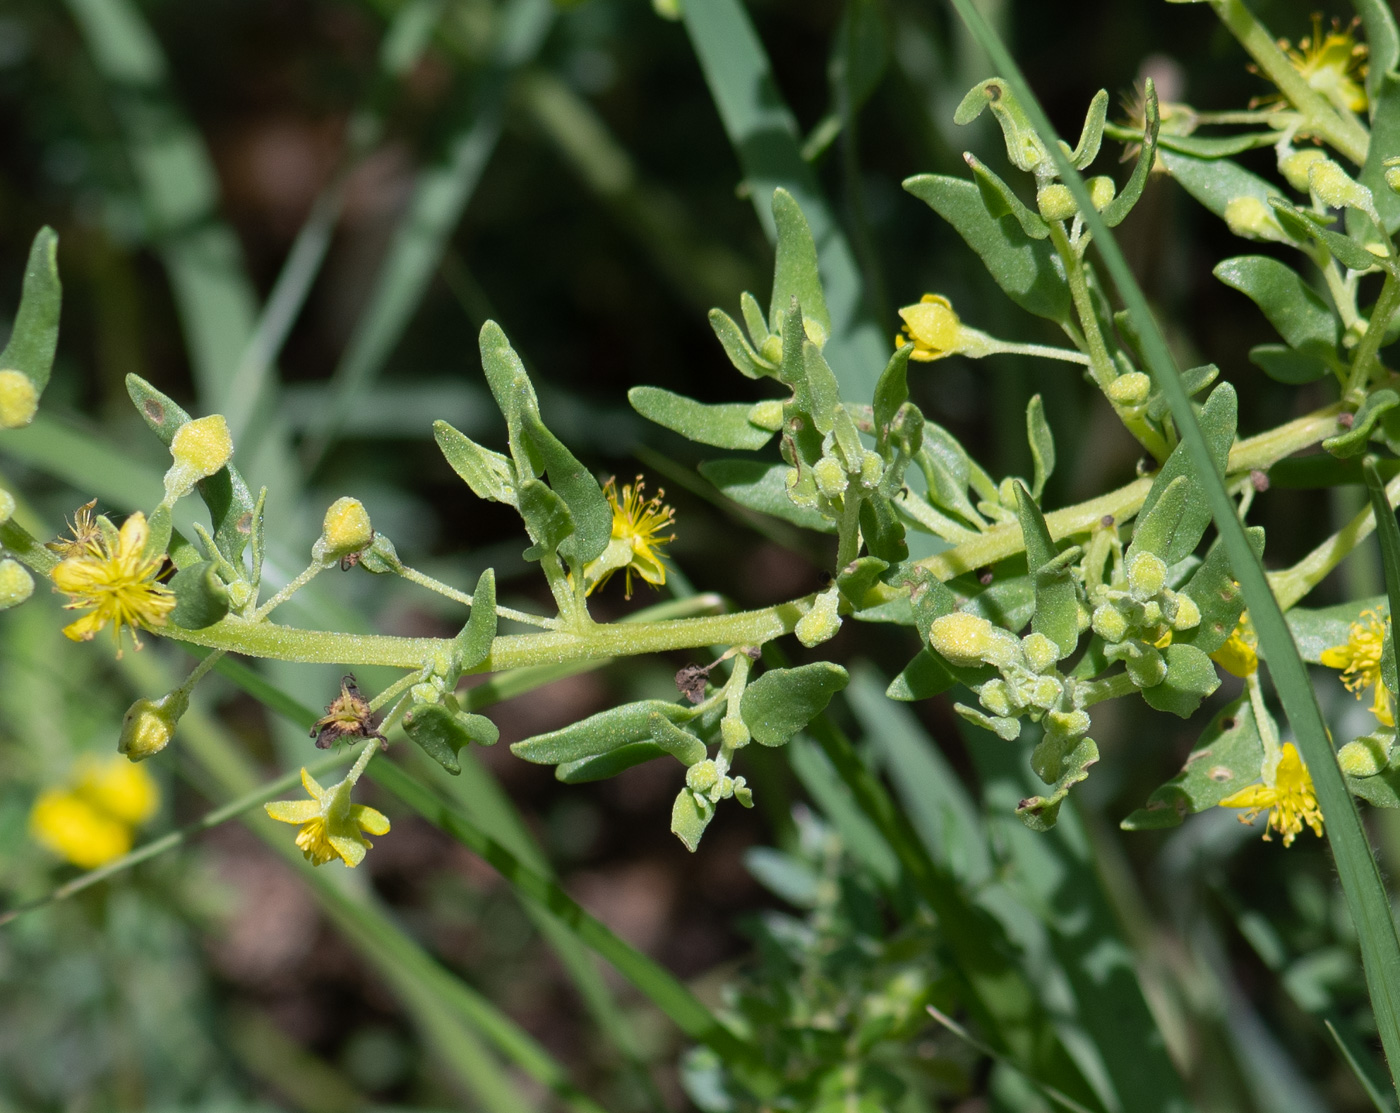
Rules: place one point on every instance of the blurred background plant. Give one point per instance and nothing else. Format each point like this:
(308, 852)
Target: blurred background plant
(299, 214)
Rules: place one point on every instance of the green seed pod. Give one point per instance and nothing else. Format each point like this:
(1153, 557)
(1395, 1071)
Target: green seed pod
(970, 640)
(16, 584)
(1041, 652)
(1101, 191)
(1365, 757)
(1188, 614)
(830, 476)
(1250, 218)
(199, 449)
(702, 776)
(149, 725)
(1294, 166)
(1109, 623)
(1056, 202)
(1131, 389)
(996, 697)
(767, 415)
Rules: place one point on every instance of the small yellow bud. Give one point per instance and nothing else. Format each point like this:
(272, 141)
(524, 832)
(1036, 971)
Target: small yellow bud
(346, 530)
(1056, 202)
(1251, 218)
(1188, 614)
(19, 400)
(1101, 191)
(1109, 624)
(995, 697)
(872, 470)
(1147, 575)
(830, 477)
(16, 584)
(702, 776)
(734, 733)
(1040, 651)
(7, 506)
(1334, 186)
(969, 640)
(821, 622)
(203, 445)
(1294, 166)
(1365, 757)
(149, 725)
(767, 415)
(933, 327)
(1131, 389)
(1046, 692)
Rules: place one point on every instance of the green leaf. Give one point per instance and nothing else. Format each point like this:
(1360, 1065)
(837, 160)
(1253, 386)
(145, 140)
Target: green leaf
(1123, 203)
(1385, 139)
(859, 577)
(598, 734)
(1215, 592)
(1388, 531)
(783, 701)
(1226, 759)
(1216, 182)
(1353, 442)
(441, 732)
(883, 531)
(576, 485)
(736, 346)
(489, 474)
(1042, 443)
(1156, 530)
(690, 815)
(924, 677)
(473, 644)
(795, 273)
(1294, 308)
(665, 738)
(1028, 270)
(1382, 43)
(201, 598)
(762, 487)
(1056, 598)
(1039, 813)
(1350, 252)
(1000, 200)
(891, 392)
(1190, 678)
(1287, 365)
(725, 425)
(546, 516)
(34, 336)
(1091, 136)
(1217, 424)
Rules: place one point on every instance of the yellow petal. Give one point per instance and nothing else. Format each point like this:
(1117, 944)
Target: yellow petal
(351, 850)
(1338, 657)
(308, 782)
(370, 819)
(1252, 796)
(292, 811)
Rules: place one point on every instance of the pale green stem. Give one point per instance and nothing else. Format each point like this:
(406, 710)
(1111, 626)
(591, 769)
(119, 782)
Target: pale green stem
(367, 751)
(1046, 351)
(394, 689)
(422, 579)
(1109, 687)
(1321, 118)
(308, 574)
(1366, 351)
(848, 529)
(1291, 584)
(1268, 732)
(1256, 116)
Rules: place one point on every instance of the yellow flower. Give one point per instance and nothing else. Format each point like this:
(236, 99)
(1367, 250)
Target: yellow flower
(1290, 799)
(331, 826)
(637, 540)
(1239, 655)
(91, 822)
(1334, 64)
(1359, 658)
(117, 581)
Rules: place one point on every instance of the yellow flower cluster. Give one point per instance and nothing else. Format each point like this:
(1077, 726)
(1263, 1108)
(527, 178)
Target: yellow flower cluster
(1290, 800)
(637, 543)
(331, 825)
(1359, 658)
(91, 821)
(1334, 64)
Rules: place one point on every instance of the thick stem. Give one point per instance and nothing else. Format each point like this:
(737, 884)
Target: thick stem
(1366, 352)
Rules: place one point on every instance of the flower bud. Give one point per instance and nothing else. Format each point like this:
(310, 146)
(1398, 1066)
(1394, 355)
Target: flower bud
(1295, 165)
(1046, 692)
(199, 448)
(16, 584)
(346, 530)
(872, 470)
(995, 696)
(1334, 186)
(702, 776)
(7, 506)
(1041, 652)
(1252, 219)
(1131, 389)
(970, 640)
(821, 622)
(767, 415)
(1056, 202)
(1147, 575)
(1109, 623)
(1068, 724)
(148, 725)
(19, 399)
(1101, 191)
(1392, 179)
(935, 331)
(1188, 614)
(734, 732)
(1365, 757)
(1148, 670)
(830, 477)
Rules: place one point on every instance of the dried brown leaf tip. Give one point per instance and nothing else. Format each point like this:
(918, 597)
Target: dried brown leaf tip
(348, 718)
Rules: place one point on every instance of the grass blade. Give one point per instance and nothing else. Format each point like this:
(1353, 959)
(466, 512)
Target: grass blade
(1370, 1084)
(1361, 881)
(764, 135)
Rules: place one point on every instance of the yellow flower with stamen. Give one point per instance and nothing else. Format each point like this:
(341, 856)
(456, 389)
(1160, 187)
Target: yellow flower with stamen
(1239, 656)
(331, 825)
(1359, 658)
(1290, 800)
(118, 582)
(1333, 64)
(637, 541)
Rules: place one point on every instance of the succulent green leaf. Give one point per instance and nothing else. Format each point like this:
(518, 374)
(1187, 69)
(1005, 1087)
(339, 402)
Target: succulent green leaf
(783, 701)
(1296, 311)
(598, 734)
(1214, 590)
(1056, 598)
(1023, 145)
(1226, 759)
(725, 425)
(1217, 420)
(1042, 443)
(1190, 678)
(1123, 203)
(514, 394)
(201, 598)
(924, 677)
(473, 644)
(762, 487)
(601, 767)
(576, 485)
(891, 392)
(1040, 813)
(1287, 365)
(690, 815)
(442, 732)
(930, 598)
(489, 474)
(1000, 200)
(1353, 442)
(34, 337)
(795, 272)
(1027, 270)
(1091, 136)
(547, 518)
(823, 394)
(1157, 528)
(741, 354)
(1383, 91)
(883, 531)
(859, 577)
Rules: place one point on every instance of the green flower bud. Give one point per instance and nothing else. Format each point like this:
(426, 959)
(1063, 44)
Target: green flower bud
(968, 639)
(1147, 575)
(1252, 219)
(1046, 692)
(19, 399)
(702, 776)
(1294, 166)
(1131, 389)
(16, 584)
(1109, 623)
(1067, 724)
(425, 691)
(149, 725)
(767, 415)
(734, 732)
(821, 622)
(996, 697)
(1365, 757)
(1392, 179)
(830, 477)
(1041, 652)
(1188, 614)
(1056, 202)
(1151, 613)
(1334, 186)
(346, 530)
(7, 506)
(199, 448)
(1148, 670)
(872, 469)
(1101, 191)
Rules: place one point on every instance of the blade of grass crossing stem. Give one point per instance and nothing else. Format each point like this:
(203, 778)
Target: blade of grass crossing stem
(1388, 531)
(1361, 881)
(451, 1013)
(439, 198)
(1355, 1057)
(179, 191)
(764, 135)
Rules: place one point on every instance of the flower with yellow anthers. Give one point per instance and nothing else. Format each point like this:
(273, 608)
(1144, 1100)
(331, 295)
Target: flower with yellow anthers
(1334, 64)
(117, 580)
(91, 822)
(936, 331)
(1290, 800)
(85, 534)
(1239, 656)
(1359, 658)
(331, 825)
(637, 541)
